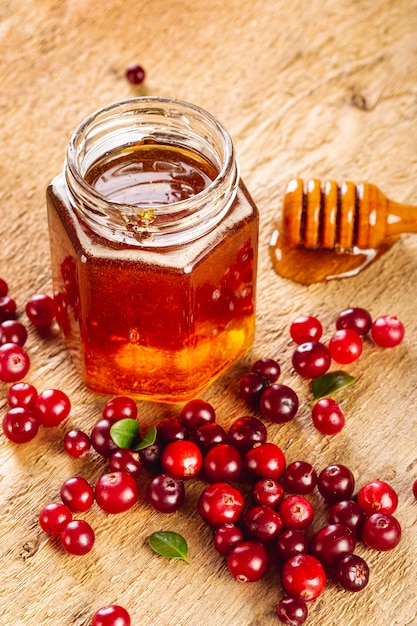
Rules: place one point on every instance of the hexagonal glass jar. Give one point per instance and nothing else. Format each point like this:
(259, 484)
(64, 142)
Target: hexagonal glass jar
(154, 250)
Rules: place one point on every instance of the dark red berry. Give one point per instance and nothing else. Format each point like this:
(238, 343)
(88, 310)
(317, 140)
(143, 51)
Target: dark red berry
(116, 492)
(251, 387)
(101, 439)
(77, 537)
(348, 513)
(182, 458)
(196, 413)
(299, 477)
(292, 611)
(278, 403)
(209, 435)
(170, 429)
(40, 309)
(267, 368)
(267, 491)
(303, 577)
(262, 523)
(223, 463)
(14, 362)
(311, 359)
(352, 572)
(112, 615)
(135, 74)
(165, 493)
(7, 308)
(356, 319)
(245, 432)
(54, 517)
(336, 482)
(290, 542)
(52, 407)
(125, 460)
(4, 288)
(331, 543)
(266, 460)
(220, 503)
(150, 457)
(226, 537)
(381, 531)
(12, 331)
(77, 494)
(20, 425)
(248, 561)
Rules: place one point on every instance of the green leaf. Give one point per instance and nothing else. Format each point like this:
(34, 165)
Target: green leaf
(125, 432)
(169, 544)
(148, 438)
(329, 383)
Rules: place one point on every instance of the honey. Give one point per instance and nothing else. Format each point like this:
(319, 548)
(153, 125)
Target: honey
(154, 251)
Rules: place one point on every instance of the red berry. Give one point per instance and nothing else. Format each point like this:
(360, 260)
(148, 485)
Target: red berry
(76, 443)
(345, 346)
(209, 435)
(12, 331)
(267, 368)
(77, 494)
(120, 407)
(7, 308)
(196, 413)
(100, 437)
(290, 542)
(112, 615)
(352, 572)
(223, 463)
(267, 491)
(219, 504)
(278, 403)
(226, 537)
(296, 512)
(54, 517)
(77, 537)
(170, 429)
(356, 319)
(52, 407)
(262, 523)
(303, 577)
(266, 460)
(348, 513)
(292, 611)
(381, 531)
(135, 74)
(165, 493)
(4, 288)
(299, 477)
(40, 309)
(116, 492)
(182, 458)
(20, 425)
(125, 460)
(22, 394)
(336, 482)
(306, 328)
(14, 363)
(251, 387)
(377, 496)
(245, 432)
(328, 417)
(387, 331)
(248, 561)
(331, 543)
(311, 359)
(414, 488)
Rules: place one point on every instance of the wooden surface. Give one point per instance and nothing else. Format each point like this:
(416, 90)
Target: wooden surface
(319, 88)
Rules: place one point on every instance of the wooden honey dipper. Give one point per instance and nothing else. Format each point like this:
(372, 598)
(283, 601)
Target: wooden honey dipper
(342, 218)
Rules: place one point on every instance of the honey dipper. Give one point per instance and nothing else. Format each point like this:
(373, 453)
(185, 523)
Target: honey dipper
(342, 217)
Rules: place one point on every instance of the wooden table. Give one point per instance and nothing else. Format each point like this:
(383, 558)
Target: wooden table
(325, 89)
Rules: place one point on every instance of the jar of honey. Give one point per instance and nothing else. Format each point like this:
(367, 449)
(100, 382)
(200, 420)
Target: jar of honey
(154, 250)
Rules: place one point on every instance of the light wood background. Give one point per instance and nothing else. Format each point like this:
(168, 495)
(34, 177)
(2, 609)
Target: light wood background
(319, 88)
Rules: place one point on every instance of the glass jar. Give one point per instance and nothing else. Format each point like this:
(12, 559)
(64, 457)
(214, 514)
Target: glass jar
(154, 250)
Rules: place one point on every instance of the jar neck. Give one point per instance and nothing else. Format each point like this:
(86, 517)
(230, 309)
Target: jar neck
(158, 121)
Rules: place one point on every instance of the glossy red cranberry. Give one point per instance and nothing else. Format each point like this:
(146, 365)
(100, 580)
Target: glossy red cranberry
(331, 543)
(182, 458)
(40, 309)
(267, 491)
(165, 493)
(7, 308)
(345, 346)
(208, 436)
(125, 460)
(14, 362)
(54, 517)
(220, 503)
(336, 482)
(381, 531)
(296, 512)
(348, 513)
(268, 369)
(20, 425)
(352, 572)
(292, 611)
(226, 537)
(101, 439)
(248, 561)
(77, 494)
(262, 523)
(299, 477)
(290, 542)
(311, 359)
(196, 413)
(76, 443)
(306, 328)
(135, 74)
(377, 496)
(303, 577)
(52, 407)
(116, 492)
(120, 407)
(356, 319)
(387, 331)
(77, 537)
(251, 387)
(328, 417)
(12, 331)
(22, 394)
(278, 403)
(4, 288)
(266, 460)
(170, 429)
(112, 615)
(245, 432)
(223, 463)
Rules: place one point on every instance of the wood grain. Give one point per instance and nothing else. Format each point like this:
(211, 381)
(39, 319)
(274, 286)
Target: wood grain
(318, 89)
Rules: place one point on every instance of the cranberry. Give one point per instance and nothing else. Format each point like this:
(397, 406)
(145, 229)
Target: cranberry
(125, 460)
(40, 309)
(52, 407)
(4, 288)
(208, 436)
(267, 368)
(12, 331)
(289, 542)
(116, 492)
(14, 362)
(226, 537)
(292, 611)
(220, 503)
(331, 543)
(348, 513)
(150, 457)
(266, 460)
(165, 493)
(376, 496)
(311, 359)
(356, 319)
(248, 561)
(112, 615)
(223, 463)
(296, 512)
(387, 331)
(135, 74)
(182, 458)
(352, 572)
(278, 403)
(77, 494)
(262, 523)
(22, 394)
(76, 443)
(7, 308)
(328, 417)
(20, 425)
(267, 491)
(345, 346)
(196, 413)
(245, 432)
(303, 577)
(170, 429)
(100, 437)
(54, 517)
(251, 387)
(306, 328)
(120, 407)
(299, 477)
(381, 531)
(77, 537)
(414, 489)
(336, 482)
